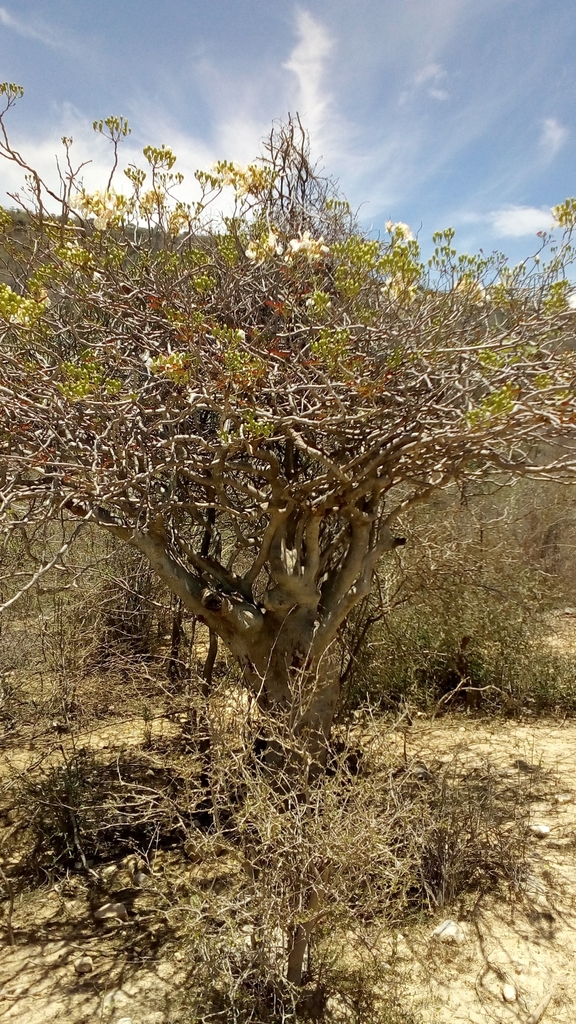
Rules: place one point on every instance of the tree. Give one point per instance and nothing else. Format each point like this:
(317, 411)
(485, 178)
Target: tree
(253, 399)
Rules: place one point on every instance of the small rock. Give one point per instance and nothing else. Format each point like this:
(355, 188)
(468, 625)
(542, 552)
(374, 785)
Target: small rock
(124, 1020)
(140, 879)
(111, 910)
(113, 1000)
(449, 931)
(563, 798)
(84, 965)
(164, 970)
(540, 831)
(509, 994)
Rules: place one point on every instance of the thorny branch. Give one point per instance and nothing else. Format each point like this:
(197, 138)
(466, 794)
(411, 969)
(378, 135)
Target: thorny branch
(253, 401)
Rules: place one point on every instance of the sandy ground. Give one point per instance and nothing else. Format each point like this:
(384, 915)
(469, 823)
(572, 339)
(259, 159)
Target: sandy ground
(530, 945)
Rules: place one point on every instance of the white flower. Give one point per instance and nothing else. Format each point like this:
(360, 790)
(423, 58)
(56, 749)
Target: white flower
(104, 206)
(249, 180)
(257, 252)
(102, 222)
(400, 231)
(313, 248)
(273, 245)
(399, 289)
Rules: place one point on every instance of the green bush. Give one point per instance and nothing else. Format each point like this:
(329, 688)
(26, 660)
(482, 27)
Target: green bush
(466, 614)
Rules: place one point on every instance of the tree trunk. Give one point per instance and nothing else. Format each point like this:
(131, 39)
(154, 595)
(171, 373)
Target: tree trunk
(174, 665)
(297, 694)
(298, 697)
(300, 942)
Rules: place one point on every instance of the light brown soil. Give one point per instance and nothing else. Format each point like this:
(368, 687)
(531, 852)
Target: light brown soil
(138, 967)
(532, 944)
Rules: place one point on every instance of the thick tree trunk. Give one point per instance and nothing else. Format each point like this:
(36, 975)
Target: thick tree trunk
(297, 692)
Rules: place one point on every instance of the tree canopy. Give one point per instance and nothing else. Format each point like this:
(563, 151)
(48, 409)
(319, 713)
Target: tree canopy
(251, 390)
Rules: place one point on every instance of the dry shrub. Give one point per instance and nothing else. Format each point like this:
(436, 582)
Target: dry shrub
(463, 614)
(94, 633)
(367, 991)
(89, 807)
(125, 609)
(374, 851)
(99, 604)
(379, 839)
(369, 846)
(376, 841)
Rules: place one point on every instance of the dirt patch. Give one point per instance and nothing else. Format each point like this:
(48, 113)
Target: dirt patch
(529, 945)
(138, 967)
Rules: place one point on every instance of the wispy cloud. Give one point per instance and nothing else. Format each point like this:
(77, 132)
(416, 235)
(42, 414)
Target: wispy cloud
(241, 112)
(37, 30)
(307, 62)
(518, 221)
(407, 106)
(431, 72)
(433, 75)
(552, 137)
(511, 221)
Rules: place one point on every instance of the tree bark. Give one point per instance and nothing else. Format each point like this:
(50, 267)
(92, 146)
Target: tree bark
(297, 691)
(301, 941)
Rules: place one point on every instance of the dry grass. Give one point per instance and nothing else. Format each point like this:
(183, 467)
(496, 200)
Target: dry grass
(237, 863)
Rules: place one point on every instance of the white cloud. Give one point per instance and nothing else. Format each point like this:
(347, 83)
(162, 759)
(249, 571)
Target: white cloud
(307, 62)
(517, 221)
(430, 73)
(553, 136)
(39, 31)
(41, 153)
(241, 115)
(380, 148)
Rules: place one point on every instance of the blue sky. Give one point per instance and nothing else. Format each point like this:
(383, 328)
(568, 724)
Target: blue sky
(434, 112)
